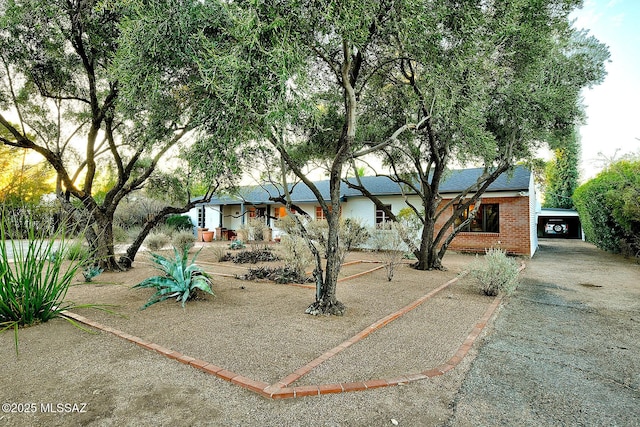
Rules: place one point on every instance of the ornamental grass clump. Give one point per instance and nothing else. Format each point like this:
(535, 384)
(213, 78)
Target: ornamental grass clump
(183, 240)
(181, 280)
(156, 241)
(34, 279)
(496, 273)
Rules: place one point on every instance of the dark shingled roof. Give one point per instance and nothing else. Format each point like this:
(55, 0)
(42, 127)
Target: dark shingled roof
(455, 181)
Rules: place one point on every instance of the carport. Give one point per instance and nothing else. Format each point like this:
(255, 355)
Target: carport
(552, 219)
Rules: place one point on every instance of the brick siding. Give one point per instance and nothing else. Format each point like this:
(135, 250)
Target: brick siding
(513, 233)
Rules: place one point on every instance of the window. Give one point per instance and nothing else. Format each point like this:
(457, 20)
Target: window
(320, 213)
(381, 216)
(485, 221)
(201, 216)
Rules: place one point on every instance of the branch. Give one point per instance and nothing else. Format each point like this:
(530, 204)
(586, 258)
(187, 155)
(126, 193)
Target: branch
(292, 165)
(392, 138)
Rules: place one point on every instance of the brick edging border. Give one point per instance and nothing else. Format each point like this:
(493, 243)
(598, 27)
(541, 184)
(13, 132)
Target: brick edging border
(282, 389)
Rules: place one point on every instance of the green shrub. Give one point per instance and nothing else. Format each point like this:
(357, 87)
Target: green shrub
(179, 222)
(183, 240)
(157, 241)
(181, 279)
(34, 283)
(496, 273)
(609, 207)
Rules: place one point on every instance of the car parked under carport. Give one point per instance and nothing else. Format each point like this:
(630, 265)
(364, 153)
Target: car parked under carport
(559, 223)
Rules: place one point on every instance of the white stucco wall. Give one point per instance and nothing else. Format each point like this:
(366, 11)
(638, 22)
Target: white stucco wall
(212, 217)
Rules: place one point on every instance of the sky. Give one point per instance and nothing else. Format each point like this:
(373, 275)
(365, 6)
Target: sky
(613, 107)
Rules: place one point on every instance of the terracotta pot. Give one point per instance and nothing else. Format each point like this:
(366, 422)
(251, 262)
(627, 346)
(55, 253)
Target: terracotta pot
(200, 231)
(207, 236)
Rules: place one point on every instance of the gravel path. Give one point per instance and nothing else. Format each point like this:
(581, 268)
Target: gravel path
(565, 349)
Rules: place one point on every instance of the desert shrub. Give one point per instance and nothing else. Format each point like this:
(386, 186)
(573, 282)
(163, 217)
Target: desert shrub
(297, 254)
(165, 229)
(255, 228)
(156, 241)
(183, 240)
(132, 232)
(496, 273)
(34, 283)
(237, 244)
(181, 279)
(219, 253)
(351, 234)
(120, 235)
(135, 211)
(253, 256)
(388, 243)
(179, 222)
(20, 217)
(282, 275)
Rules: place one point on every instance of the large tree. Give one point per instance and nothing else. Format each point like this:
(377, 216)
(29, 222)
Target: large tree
(561, 174)
(492, 83)
(267, 75)
(425, 82)
(56, 79)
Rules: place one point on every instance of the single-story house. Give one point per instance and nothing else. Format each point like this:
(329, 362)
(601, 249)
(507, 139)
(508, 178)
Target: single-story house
(506, 217)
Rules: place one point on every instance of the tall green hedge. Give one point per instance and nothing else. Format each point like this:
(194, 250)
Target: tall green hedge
(609, 207)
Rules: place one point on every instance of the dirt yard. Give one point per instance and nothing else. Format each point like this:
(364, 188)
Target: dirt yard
(259, 330)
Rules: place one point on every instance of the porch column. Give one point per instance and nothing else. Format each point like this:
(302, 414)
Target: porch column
(268, 215)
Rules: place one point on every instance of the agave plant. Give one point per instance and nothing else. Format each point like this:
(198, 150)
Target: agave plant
(90, 272)
(180, 280)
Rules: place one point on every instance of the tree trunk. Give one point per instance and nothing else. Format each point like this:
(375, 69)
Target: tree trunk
(427, 253)
(126, 261)
(97, 228)
(326, 301)
(101, 243)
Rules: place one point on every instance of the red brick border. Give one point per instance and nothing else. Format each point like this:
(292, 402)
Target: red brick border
(282, 390)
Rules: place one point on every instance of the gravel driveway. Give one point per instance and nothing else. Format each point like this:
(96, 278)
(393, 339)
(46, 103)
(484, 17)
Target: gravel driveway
(565, 350)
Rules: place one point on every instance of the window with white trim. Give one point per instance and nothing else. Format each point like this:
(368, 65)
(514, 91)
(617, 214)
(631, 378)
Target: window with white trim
(381, 215)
